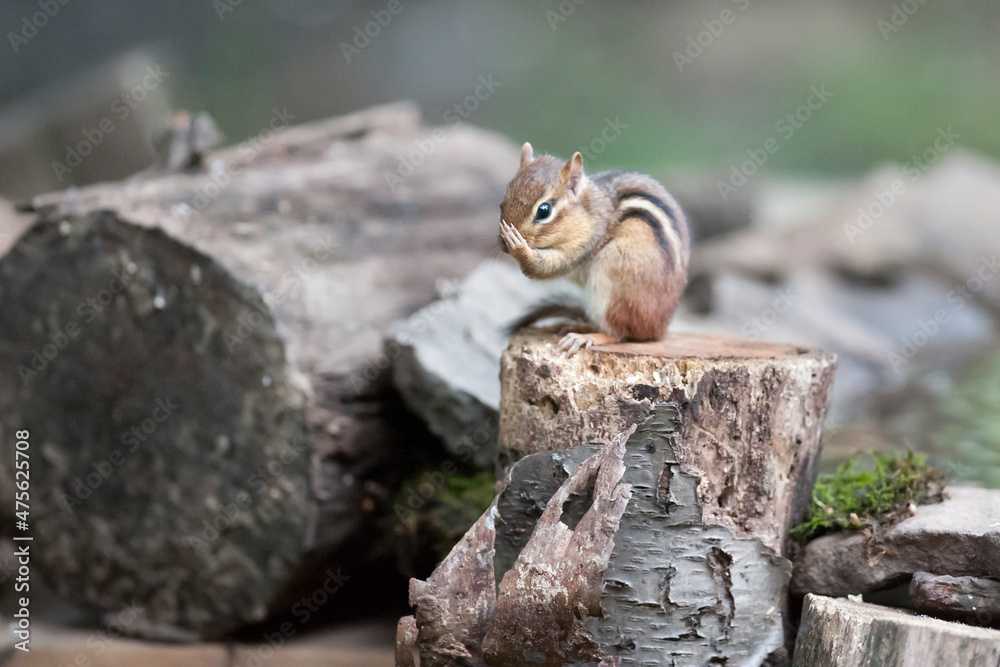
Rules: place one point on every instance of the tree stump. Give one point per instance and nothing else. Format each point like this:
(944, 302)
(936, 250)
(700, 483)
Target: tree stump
(250, 297)
(720, 469)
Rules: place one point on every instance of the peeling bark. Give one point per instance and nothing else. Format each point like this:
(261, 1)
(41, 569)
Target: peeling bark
(455, 604)
(556, 582)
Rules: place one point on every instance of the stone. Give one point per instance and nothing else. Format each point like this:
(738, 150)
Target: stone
(836, 632)
(959, 537)
(446, 357)
(970, 600)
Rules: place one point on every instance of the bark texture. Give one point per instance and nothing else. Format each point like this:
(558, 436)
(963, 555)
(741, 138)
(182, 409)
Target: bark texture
(836, 632)
(257, 294)
(539, 614)
(674, 588)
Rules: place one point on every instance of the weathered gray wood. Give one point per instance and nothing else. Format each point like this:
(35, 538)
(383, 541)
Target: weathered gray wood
(837, 633)
(967, 599)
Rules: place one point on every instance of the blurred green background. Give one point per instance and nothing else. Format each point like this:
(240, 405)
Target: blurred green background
(562, 78)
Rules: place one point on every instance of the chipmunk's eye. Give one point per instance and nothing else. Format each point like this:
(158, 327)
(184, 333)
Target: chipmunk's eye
(543, 212)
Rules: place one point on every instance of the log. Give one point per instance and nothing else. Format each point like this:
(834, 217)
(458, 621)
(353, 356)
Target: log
(722, 467)
(837, 632)
(252, 295)
(539, 614)
(750, 415)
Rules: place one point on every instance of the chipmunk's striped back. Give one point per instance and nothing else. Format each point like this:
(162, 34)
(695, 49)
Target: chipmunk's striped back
(639, 196)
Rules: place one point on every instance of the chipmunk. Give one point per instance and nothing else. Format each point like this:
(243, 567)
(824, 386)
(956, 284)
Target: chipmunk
(618, 234)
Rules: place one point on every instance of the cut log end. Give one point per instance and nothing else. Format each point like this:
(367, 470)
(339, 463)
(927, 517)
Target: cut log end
(121, 512)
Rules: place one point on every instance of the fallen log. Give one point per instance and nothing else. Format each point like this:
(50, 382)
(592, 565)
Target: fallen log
(198, 358)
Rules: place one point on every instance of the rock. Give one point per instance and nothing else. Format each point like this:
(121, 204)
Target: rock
(446, 357)
(836, 633)
(960, 537)
(895, 283)
(967, 599)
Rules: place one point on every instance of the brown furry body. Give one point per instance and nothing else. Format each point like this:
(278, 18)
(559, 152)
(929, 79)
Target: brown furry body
(620, 235)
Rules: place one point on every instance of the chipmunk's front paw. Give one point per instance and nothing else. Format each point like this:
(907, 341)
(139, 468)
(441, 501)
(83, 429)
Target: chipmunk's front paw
(572, 343)
(512, 238)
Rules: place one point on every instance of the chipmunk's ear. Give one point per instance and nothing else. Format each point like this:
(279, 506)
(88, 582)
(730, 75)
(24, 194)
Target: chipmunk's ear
(572, 174)
(527, 154)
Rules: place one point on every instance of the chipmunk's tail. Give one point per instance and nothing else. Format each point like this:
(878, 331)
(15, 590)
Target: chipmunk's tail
(558, 307)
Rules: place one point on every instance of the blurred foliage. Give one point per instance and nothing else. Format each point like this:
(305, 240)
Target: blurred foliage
(563, 79)
(868, 490)
(963, 423)
(430, 513)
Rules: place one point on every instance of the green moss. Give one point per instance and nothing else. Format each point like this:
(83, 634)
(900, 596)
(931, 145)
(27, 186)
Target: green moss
(869, 490)
(430, 513)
